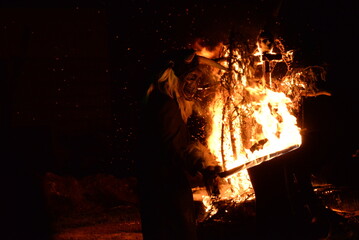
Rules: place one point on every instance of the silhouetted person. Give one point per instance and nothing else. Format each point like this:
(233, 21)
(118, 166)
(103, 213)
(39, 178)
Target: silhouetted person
(170, 161)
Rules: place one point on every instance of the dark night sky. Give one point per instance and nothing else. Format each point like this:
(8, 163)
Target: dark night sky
(74, 72)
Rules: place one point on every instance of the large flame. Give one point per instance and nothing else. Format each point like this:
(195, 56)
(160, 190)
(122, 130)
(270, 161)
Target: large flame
(250, 119)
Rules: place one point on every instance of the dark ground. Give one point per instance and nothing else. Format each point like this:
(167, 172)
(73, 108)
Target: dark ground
(106, 207)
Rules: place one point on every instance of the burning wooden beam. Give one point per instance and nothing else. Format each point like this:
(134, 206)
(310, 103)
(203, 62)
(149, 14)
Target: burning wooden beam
(256, 162)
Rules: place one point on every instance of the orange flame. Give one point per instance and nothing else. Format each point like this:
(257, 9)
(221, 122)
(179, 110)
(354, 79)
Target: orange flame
(207, 52)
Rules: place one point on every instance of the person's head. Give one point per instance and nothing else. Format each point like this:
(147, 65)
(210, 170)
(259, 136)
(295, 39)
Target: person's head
(189, 83)
(184, 73)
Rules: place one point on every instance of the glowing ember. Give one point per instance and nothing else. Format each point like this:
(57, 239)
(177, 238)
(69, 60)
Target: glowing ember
(252, 118)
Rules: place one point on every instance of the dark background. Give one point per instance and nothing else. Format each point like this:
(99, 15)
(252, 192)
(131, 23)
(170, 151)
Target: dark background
(74, 73)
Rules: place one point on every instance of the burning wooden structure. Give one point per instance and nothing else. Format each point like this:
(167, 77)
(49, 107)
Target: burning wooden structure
(252, 117)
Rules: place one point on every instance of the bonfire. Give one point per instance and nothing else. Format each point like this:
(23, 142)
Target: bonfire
(253, 116)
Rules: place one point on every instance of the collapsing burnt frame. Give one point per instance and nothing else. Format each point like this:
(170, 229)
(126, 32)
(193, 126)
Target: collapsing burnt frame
(228, 83)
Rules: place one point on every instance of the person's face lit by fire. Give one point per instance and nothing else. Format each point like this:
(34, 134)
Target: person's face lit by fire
(190, 84)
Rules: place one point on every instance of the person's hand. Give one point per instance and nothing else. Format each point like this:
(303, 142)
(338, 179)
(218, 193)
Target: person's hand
(210, 178)
(196, 179)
